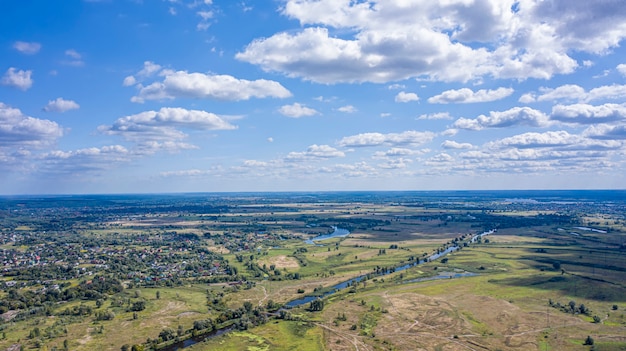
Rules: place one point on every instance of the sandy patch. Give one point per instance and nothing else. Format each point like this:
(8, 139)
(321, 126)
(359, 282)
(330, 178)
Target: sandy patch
(281, 262)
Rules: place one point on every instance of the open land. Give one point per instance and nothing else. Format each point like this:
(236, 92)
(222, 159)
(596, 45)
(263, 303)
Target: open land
(159, 272)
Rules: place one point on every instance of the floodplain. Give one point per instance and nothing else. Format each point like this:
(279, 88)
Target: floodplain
(165, 272)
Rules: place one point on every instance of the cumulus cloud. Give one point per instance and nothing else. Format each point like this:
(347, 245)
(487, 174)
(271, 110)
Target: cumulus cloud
(61, 105)
(500, 119)
(397, 152)
(435, 116)
(296, 110)
(536, 140)
(395, 163)
(83, 160)
(573, 92)
(442, 157)
(163, 126)
(18, 79)
(454, 41)
(347, 109)
(450, 144)
(621, 68)
(406, 97)
(606, 132)
(376, 139)
(18, 130)
(315, 152)
(27, 48)
(181, 84)
(129, 80)
(466, 96)
(589, 114)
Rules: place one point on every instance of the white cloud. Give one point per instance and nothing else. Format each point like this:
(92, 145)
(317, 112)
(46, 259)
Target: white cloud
(606, 132)
(440, 158)
(181, 84)
(450, 132)
(188, 173)
(435, 116)
(204, 23)
(395, 163)
(296, 110)
(589, 114)
(129, 80)
(500, 119)
(608, 92)
(564, 92)
(536, 140)
(621, 68)
(18, 130)
(465, 96)
(149, 69)
(27, 48)
(315, 152)
(75, 58)
(18, 79)
(456, 40)
(555, 141)
(573, 92)
(396, 152)
(61, 105)
(527, 98)
(73, 54)
(396, 86)
(406, 97)
(347, 109)
(85, 160)
(159, 127)
(376, 139)
(450, 144)
(270, 140)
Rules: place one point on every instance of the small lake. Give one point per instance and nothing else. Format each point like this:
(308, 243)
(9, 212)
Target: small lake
(337, 233)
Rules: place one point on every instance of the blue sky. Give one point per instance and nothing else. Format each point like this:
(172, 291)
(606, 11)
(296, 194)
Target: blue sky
(130, 96)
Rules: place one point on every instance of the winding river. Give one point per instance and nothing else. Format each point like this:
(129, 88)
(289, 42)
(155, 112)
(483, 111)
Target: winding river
(339, 232)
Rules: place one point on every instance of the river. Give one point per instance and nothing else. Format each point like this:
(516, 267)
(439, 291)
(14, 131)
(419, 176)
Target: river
(339, 232)
(345, 284)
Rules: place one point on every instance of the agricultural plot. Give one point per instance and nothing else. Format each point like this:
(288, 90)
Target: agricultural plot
(413, 274)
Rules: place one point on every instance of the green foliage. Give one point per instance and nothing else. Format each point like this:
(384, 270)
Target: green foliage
(138, 306)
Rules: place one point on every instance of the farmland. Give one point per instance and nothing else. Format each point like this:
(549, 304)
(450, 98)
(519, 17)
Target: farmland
(151, 271)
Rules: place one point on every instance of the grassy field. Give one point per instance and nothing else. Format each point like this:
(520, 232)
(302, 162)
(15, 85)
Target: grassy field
(504, 306)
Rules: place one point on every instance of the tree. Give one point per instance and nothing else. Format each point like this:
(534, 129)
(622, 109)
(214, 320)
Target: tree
(158, 294)
(167, 334)
(138, 306)
(572, 305)
(316, 305)
(589, 340)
